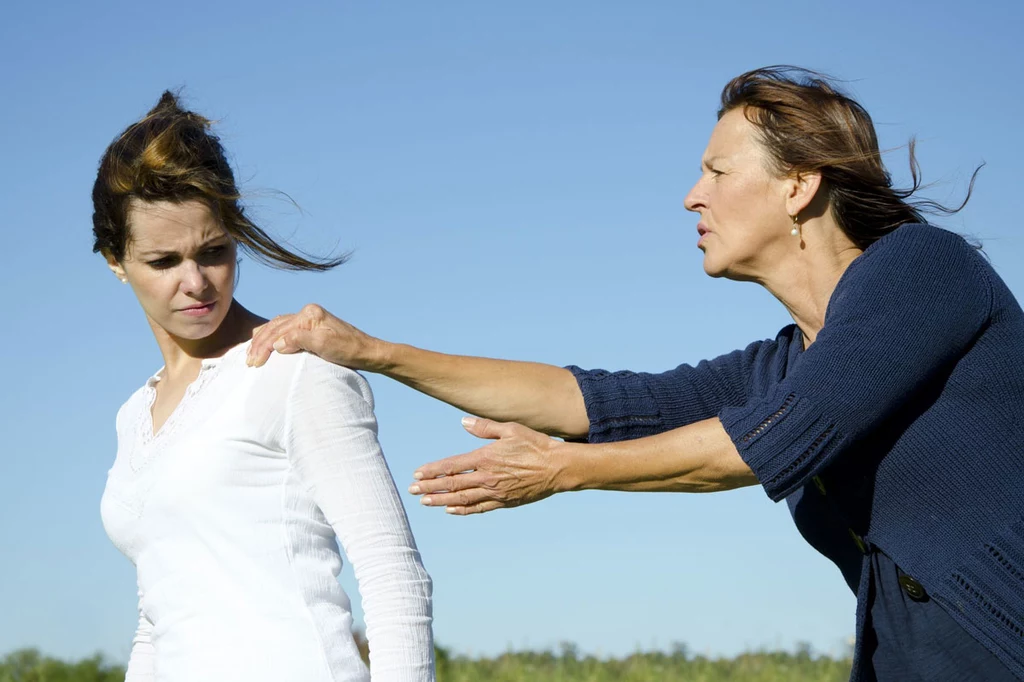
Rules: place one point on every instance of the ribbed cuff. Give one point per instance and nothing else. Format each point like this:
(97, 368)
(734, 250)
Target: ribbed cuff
(619, 405)
(782, 438)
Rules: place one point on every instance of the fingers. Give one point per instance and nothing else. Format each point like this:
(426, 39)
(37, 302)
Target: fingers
(449, 484)
(465, 489)
(487, 428)
(461, 498)
(448, 467)
(484, 428)
(293, 341)
(480, 508)
(263, 338)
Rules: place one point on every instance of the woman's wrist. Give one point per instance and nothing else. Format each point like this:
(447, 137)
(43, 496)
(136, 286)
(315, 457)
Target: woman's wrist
(381, 357)
(570, 470)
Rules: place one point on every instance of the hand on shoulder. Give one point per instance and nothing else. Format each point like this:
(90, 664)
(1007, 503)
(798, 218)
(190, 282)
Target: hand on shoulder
(317, 331)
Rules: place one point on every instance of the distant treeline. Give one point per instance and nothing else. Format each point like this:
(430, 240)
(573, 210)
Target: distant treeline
(566, 665)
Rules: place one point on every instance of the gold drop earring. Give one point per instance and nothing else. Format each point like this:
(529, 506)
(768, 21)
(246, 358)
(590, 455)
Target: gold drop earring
(796, 228)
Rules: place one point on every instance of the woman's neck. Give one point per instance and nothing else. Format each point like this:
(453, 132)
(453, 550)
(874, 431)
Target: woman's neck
(183, 357)
(805, 280)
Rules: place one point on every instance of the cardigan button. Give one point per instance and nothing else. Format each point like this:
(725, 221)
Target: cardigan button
(859, 541)
(913, 589)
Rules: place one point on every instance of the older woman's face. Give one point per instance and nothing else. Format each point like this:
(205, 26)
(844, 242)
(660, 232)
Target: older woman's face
(742, 204)
(181, 265)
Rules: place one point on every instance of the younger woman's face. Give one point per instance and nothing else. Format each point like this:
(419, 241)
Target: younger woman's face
(180, 262)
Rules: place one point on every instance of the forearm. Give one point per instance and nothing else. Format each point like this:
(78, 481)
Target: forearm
(396, 595)
(696, 458)
(543, 397)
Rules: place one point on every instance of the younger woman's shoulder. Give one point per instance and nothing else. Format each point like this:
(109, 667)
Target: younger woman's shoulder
(308, 372)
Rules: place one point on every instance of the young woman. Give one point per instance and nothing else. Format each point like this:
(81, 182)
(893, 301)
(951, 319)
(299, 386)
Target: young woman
(232, 484)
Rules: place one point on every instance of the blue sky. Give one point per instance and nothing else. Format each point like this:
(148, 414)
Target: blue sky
(510, 177)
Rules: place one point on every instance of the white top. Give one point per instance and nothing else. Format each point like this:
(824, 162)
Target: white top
(230, 514)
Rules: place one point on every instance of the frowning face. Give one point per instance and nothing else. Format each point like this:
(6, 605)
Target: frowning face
(180, 263)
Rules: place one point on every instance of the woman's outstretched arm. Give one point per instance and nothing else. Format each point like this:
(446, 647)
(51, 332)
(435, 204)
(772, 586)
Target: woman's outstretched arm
(544, 397)
(569, 403)
(522, 466)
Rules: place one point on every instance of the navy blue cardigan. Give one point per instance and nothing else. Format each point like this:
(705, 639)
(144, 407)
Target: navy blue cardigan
(909, 404)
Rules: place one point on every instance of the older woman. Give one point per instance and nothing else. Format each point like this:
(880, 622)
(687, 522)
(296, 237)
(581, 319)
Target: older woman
(890, 415)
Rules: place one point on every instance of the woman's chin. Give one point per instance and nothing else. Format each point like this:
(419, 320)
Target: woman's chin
(713, 268)
(193, 330)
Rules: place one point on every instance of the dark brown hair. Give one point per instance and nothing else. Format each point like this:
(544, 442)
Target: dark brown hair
(808, 125)
(172, 155)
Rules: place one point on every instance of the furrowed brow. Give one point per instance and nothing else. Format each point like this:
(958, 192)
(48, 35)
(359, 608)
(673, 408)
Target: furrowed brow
(160, 253)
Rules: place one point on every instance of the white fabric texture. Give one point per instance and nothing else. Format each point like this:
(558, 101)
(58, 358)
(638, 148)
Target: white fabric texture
(231, 513)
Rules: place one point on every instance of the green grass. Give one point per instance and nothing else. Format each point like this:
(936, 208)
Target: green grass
(28, 665)
(644, 667)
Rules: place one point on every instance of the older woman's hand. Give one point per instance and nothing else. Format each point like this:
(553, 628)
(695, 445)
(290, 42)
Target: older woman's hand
(519, 467)
(315, 330)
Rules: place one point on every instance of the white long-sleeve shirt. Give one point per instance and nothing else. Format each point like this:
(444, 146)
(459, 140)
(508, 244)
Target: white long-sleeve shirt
(230, 514)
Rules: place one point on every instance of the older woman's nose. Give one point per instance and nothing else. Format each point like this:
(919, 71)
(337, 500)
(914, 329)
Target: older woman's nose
(694, 199)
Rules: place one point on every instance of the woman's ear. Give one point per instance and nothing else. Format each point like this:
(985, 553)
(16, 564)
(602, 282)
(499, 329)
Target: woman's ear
(801, 189)
(115, 267)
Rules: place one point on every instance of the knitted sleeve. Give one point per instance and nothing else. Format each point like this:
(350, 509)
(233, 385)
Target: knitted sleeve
(626, 405)
(900, 317)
